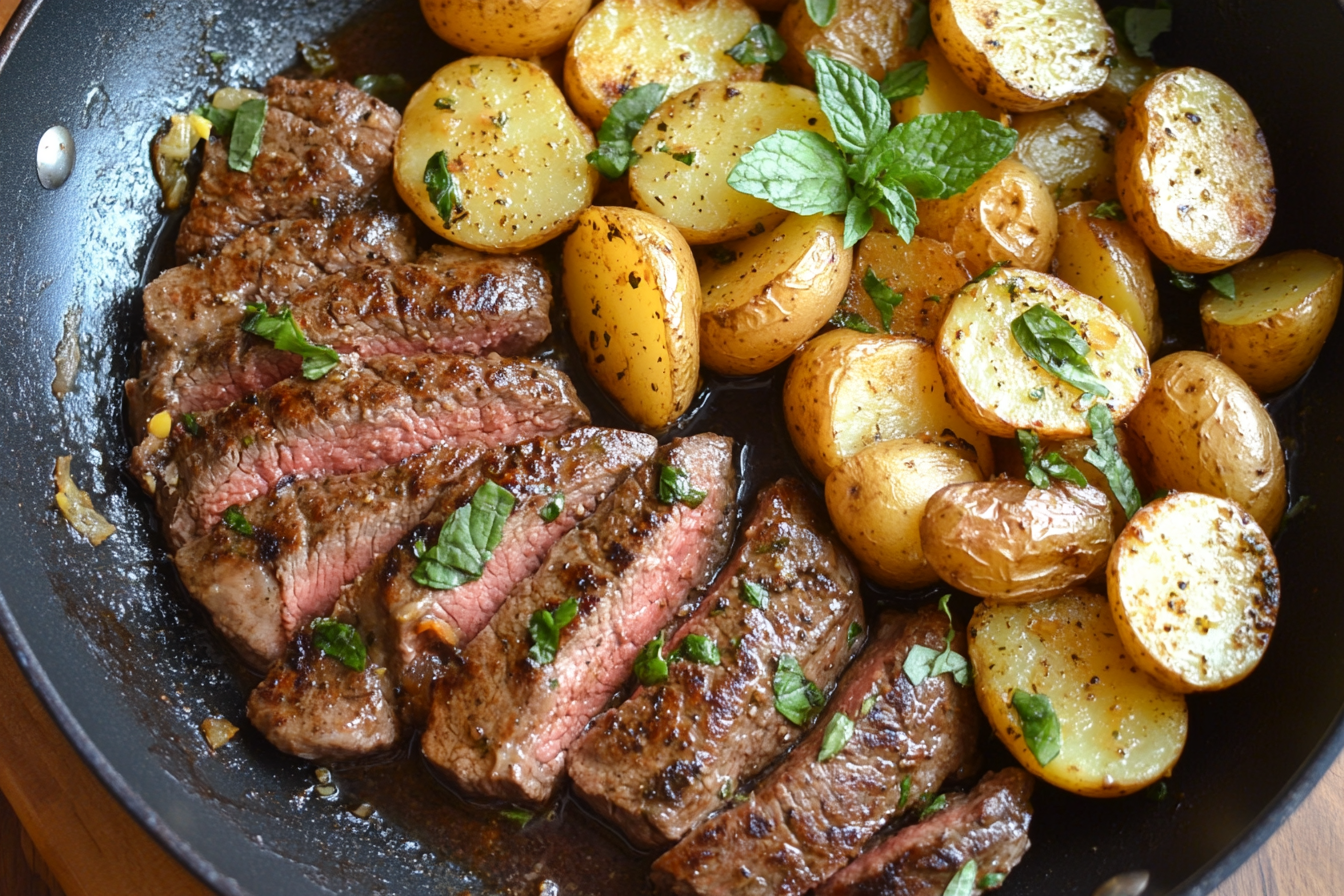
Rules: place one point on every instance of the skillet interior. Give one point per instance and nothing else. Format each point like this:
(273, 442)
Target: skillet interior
(129, 669)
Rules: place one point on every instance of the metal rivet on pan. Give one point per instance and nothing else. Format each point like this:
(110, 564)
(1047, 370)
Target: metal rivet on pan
(55, 157)
(1131, 883)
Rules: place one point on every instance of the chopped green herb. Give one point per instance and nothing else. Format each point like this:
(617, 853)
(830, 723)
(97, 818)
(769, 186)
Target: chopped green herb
(755, 595)
(234, 519)
(1053, 343)
(1183, 281)
(989, 271)
(442, 187)
(1040, 470)
(1106, 457)
(727, 790)
(282, 332)
(855, 631)
(319, 58)
(851, 321)
(218, 57)
(925, 662)
(467, 540)
(796, 698)
(1037, 394)
(838, 732)
(221, 120)
(909, 80)
(1040, 725)
(650, 667)
(937, 300)
(685, 158)
(552, 509)
(868, 703)
(544, 628)
(391, 89)
(190, 425)
(937, 804)
(884, 297)
(444, 102)
(697, 649)
(821, 11)
(905, 792)
(674, 484)
(1139, 27)
(249, 123)
(990, 881)
(1156, 792)
(1224, 285)
(340, 642)
(919, 27)
(963, 882)
(519, 817)
(1110, 210)
(761, 44)
(614, 153)
(500, 120)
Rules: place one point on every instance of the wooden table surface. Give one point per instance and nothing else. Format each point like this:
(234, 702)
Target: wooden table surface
(61, 832)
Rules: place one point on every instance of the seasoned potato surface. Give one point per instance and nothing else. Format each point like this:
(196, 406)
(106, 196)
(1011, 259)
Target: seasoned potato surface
(868, 34)
(505, 27)
(1007, 215)
(924, 271)
(1072, 149)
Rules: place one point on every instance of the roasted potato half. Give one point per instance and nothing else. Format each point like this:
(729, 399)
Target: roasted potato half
(627, 43)
(926, 272)
(718, 123)
(505, 27)
(634, 307)
(1025, 55)
(1275, 328)
(514, 154)
(1007, 540)
(1119, 731)
(1072, 149)
(1203, 430)
(1129, 72)
(778, 289)
(868, 34)
(876, 500)
(1106, 259)
(1007, 215)
(1194, 172)
(1194, 588)
(946, 92)
(846, 391)
(994, 384)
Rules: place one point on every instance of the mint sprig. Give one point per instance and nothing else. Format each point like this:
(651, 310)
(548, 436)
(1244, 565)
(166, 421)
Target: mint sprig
(615, 153)
(821, 11)
(885, 299)
(760, 44)
(909, 80)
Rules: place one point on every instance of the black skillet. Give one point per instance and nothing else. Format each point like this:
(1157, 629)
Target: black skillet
(129, 670)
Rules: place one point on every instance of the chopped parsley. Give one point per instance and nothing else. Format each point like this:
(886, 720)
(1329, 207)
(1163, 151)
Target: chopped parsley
(851, 321)
(755, 595)
(650, 667)
(925, 662)
(937, 804)
(838, 732)
(696, 649)
(234, 519)
(796, 698)
(1040, 725)
(1109, 210)
(552, 509)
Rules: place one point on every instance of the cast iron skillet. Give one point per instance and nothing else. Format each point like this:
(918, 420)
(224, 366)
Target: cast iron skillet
(127, 668)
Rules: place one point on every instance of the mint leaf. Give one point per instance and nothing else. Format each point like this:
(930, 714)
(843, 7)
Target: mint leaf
(340, 642)
(1139, 27)
(838, 732)
(221, 120)
(283, 333)
(796, 698)
(674, 484)
(919, 27)
(851, 321)
(1183, 281)
(1224, 285)
(467, 540)
(909, 80)
(798, 171)
(821, 11)
(551, 511)
(1040, 470)
(650, 667)
(442, 187)
(1106, 457)
(899, 206)
(939, 156)
(697, 649)
(249, 124)
(614, 153)
(755, 595)
(859, 216)
(761, 44)
(963, 882)
(544, 629)
(1110, 210)
(1053, 343)
(853, 102)
(1040, 725)
(234, 519)
(884, 297)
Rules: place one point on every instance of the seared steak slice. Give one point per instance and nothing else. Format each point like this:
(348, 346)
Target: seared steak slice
(808, 819)
(988, 825)
(448, 302)
(326, 146)
(352, 420)
(191, 306)
(315, 707)
(309, 538)
(659, 763)
(501, 723)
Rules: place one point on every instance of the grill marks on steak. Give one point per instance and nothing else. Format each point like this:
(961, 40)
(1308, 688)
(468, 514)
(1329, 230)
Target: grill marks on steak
(808, 819)
(321, 709)
(500, 724)
(658, 764)
(189, 308)
(353, 420)
(988, 825)
(310, 538)
(325, 150)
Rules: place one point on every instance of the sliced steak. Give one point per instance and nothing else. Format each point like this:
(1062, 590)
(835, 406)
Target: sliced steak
(808, 819)
(501, 722)
(988, 825)
(447, 302)
(658, 764)
(356, 418)
(325, 148)
(316, 707)
(190, 306)
(309, 538)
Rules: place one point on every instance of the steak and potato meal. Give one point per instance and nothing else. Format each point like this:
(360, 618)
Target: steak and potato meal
(428, 412)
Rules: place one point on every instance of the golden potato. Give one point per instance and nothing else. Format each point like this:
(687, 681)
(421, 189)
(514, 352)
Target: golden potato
(718, 123)
(512, 149)
(1072, 149)
(780, 288)
(994, 384)
(925, 271)
(868, 34)
(1203, 430)
(946, 92)
(876, 499)
(1129, 72)
(634, 306)
(505, 27)
(1008, 540)
(846, 391)
(1119, 732)
(626, 43)
(1025, 55)
(1275, 328)
(1007, 215)
(1194, 589)
(1194, 173)
(1106, 259)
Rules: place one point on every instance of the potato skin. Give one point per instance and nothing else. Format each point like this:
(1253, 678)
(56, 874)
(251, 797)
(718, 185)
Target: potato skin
(924, 270)
(1072, 149)
(1203, 430)
(505, 27)
(1025, 55)
(867, 34)
(634, 306)
(1006, 540)
(1275, 329)
(1129, 72)
(1194, 588)
(876, 500)
(847, 390)
(1007, 215)
(1194, 172)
